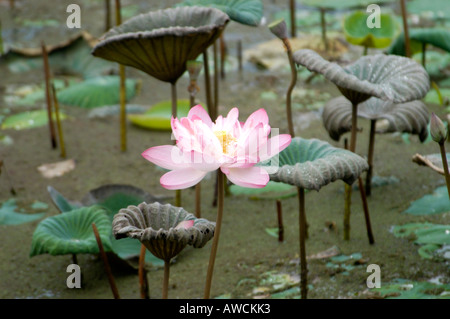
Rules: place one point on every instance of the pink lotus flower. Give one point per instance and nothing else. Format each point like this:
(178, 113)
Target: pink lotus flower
(203, 146)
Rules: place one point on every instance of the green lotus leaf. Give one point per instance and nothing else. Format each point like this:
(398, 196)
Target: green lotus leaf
(160, 43)
(435, 203)
(312, 163)
(440, 9)
(357, 31)
(388, 77)
(270, 191)
(61, 203)
(410, 117)
(71, 57)
(9, 216)
(438, 37)
(29, 119)
(341, 4)
(155, 225)
(248, 12)
(158, 116)
(72, 233)
(408, 289)
(98, 91)
(130, 248)
(114, 197)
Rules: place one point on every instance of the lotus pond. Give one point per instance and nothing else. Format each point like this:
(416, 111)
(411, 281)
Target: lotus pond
(347, 188)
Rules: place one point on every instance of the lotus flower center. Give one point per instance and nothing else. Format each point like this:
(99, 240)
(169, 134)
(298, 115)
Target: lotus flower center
(226, 140)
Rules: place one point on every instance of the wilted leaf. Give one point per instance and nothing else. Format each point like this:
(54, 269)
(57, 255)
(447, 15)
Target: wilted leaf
(57, 169)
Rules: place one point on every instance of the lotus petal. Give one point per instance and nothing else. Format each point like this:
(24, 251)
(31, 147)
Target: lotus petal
(160, 43)
(312, 163)
(155, 225)
(248, 12)
(410, 117)
(71, 233)
(388, 77)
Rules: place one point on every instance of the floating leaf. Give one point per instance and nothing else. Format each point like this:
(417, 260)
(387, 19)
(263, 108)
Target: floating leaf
(248, 12)
(270, 191)
(312, 163)
(357, 31)
(407, 289)
(160, 43)
(9, 216)
(159, 115)
(72, 233)
(410, 117)
(435, 203)
(29, 119)
(388, 77)
(98, 91)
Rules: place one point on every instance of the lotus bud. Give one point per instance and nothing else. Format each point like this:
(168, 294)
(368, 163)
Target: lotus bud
(278, 27)
(438, 130)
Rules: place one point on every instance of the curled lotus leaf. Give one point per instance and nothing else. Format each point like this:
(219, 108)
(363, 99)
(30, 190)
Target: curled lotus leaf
(161, 42)
(72, 233)
(312, 163)
(388, 77)
(155, 225)
(410, 117)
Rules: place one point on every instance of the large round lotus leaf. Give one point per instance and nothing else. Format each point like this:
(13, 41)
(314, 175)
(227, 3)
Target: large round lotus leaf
(312, 163)
(410, 117)
(159, 115)
(341, 4)
(29, 119)
(357, 31)
(438, 37)
(249, 12)
(388, 77)
(155, 225)
(72, 233)
(98, 91)
(161, 42)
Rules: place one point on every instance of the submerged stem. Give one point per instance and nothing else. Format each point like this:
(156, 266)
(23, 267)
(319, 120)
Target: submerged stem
(215, 242)
(445, 165)
(302, 238)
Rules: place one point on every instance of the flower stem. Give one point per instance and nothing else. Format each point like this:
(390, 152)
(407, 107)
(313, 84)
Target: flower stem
(280, 221)
(207, 84)
(290, 88)
(302, 233)
(216, 80)
(445, 165)
(292, 17)
(105, 262)
(165, 291)
(198, 196)
(143, 283)
(370, 158)
(215, 242)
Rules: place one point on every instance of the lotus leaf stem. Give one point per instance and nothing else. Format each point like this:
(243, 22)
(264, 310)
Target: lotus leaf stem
(11, 187)
(165, 291)
(323, 25)
(291, 87)
(216, 81)
(292, 16)
(366, 211)
(445, 165)
(106, 263)
(142, 272)
(302, 233)
(280, 221)
(47, 96)
(370, 157)
(207, 84)
(215, 243)
(58, 123)
(405, 28)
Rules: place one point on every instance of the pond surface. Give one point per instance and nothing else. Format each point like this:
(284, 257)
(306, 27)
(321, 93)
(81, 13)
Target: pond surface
(251, 263)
